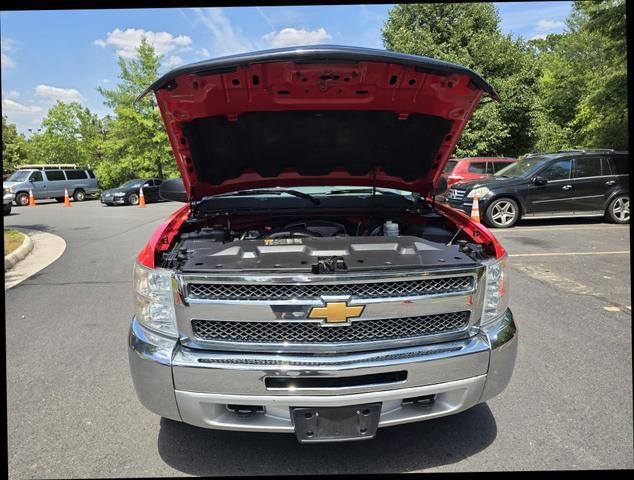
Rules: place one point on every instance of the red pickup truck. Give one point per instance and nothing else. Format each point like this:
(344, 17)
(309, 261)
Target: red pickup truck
(311, 285)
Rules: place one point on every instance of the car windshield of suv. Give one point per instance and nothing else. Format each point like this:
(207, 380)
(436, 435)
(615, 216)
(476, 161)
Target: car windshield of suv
(19, 176)
(132, 184)
(521, 167)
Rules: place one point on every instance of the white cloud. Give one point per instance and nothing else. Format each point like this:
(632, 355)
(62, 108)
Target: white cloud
(545, 27)
(13, 94)
(293, 36)
(203, 52)
(10, 106)
(24, 116)
(225, 37)
(173, 61)
(127, 41)
(50, 94)
(7, 46)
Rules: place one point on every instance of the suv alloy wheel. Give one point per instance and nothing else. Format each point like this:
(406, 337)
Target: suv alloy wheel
(502, 213)
(619, 209)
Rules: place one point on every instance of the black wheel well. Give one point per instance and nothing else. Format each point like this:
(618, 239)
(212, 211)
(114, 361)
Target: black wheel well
(510, 196)
(612, 197)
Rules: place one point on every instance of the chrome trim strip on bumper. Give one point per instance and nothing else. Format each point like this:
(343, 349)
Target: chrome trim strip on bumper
(200, 371)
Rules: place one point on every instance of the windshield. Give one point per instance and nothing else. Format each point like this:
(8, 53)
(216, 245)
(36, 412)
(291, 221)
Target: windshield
(19, 176)
(132, 184)
(450, 166)
(521, 167)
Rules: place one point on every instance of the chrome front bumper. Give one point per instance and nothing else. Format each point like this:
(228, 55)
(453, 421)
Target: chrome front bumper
(195, 386)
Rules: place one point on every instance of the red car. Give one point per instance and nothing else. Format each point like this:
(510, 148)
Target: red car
(471, 168)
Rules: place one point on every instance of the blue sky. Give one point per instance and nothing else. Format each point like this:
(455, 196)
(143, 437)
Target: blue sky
(64, 55)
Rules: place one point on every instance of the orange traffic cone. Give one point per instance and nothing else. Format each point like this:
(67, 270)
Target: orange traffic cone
(31, 198)
(66, 199)
(475, 209)
(141, 199)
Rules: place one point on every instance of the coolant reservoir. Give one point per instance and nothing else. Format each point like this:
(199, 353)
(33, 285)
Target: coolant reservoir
(390, 229)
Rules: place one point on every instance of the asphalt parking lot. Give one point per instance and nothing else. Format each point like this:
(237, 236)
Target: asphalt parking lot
(72, 410)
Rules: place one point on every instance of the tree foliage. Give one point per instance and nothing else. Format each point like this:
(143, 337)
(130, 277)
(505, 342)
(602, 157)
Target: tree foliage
(71, 134)
(136, 144)
(565, 90)
(13, 146)
(468, 34)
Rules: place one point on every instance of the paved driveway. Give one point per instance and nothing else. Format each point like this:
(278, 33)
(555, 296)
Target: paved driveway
(72, 410)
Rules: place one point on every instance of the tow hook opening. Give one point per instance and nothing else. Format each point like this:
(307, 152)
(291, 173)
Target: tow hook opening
(426, 401)
(245, 411)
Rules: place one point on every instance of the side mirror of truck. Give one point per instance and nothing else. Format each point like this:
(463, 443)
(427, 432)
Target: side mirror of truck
(173, 189)
(540, 181)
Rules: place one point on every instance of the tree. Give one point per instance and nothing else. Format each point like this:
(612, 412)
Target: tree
(136, 144)
(14, 150)
(582, 90)
(71, 134)
(601, 116)
(469, 34)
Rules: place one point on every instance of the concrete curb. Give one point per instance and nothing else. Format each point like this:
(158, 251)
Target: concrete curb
(19, 253)
(47, 248)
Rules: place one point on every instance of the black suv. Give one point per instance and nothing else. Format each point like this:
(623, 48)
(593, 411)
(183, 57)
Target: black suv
(568, 183)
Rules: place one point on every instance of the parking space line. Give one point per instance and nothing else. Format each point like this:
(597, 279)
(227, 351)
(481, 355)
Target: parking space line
(612, 309)
(558, 229)
(558, 254)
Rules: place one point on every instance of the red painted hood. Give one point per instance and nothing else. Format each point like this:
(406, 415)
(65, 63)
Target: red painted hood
(319, 115)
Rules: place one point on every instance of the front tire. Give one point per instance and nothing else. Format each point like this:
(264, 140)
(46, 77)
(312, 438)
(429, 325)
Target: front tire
(133, 199)
(79, 195)
(619, 210)
(502, 213)
(22, 199)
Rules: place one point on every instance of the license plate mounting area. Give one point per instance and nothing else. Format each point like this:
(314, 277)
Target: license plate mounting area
(336, 424)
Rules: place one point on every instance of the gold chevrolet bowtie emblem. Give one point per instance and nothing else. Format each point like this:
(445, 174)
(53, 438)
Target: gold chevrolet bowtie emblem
(335, 312)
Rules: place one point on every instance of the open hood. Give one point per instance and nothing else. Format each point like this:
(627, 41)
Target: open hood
(318, 115)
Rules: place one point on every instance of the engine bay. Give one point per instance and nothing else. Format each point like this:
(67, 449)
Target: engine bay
(319, 244)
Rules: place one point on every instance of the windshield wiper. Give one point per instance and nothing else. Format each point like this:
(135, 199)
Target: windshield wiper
(360, 190)
(274, 191)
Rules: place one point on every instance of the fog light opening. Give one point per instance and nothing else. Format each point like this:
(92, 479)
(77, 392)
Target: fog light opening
(245, 411)
(426, 401)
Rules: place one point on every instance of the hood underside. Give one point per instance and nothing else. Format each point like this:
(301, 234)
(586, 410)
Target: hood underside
(315, 116)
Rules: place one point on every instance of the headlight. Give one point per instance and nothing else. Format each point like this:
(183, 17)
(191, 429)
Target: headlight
(154, 300)
(480, 192)
(496, 295)
(7, 190)
(119, 194)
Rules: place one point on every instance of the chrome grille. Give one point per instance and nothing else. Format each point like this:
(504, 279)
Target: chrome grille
(254, 291)
(301, 332)
(456, 194)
